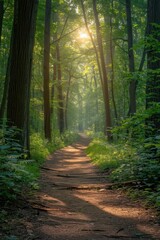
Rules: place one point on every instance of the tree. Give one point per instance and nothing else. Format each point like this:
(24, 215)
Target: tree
(153, 63)
(1, 17)
(110, 48)
(20, 67)
(46, 72)
(6, 85)
(61, 120)
(67, 100)
(133, 82)
(104, 73)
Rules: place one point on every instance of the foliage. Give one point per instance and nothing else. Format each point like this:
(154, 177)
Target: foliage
(12, 237)
(92, 134)
(137, 163)
(108, 156)
(17, 173)
(144, 166)
(69, 137)
(14, 175)
(39, 148)
(133, 129)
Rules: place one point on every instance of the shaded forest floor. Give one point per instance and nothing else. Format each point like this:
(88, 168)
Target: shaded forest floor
(75, 202)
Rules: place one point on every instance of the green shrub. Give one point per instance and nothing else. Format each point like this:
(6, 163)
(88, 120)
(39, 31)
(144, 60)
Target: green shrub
(39, 148)
(69, 137)
(133, 163)
(14, 176)
(108, 156)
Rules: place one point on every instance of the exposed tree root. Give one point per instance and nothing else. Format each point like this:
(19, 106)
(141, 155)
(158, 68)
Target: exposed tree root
(95, 186)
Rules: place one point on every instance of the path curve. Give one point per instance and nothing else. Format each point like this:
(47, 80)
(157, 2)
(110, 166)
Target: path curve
(74, 205)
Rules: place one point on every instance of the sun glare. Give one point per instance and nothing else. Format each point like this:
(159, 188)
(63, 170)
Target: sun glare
(83, 35)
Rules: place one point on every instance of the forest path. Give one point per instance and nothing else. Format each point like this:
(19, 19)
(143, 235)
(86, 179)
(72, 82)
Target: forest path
(73, 203)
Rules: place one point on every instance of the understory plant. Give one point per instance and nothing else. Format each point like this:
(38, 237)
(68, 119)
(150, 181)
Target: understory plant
(14, 174)
(133, 157)
(41, 148)
(18, 173)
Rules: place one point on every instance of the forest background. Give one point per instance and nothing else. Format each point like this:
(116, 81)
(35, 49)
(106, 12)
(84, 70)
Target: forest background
(69, 66)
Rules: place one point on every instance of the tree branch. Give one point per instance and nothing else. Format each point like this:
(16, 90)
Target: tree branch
(58, 39)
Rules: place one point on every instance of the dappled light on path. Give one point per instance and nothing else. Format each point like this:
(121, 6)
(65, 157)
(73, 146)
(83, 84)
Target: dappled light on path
(74, 204)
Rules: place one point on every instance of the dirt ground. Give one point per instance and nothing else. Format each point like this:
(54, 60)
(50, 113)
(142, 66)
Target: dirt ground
(73, 203)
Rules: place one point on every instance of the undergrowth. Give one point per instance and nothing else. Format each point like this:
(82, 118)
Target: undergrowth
(109, 156)
(18, 174)
(14, 174)
(131, 160)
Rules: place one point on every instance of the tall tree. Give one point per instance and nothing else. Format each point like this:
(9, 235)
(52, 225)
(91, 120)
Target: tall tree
(6, 84)
(67, 100)
(110, 48)
(61, 120)
(20, 67)
(46, 72)
(104, 73)
(6, 81)
(92, 40)
(1, 17)
(153, 62)
(133, 82)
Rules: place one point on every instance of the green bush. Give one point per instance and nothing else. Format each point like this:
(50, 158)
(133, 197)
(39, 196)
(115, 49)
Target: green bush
(39, 148)
(136, 163)
(108, 156)
(14, 176)
(69, 137)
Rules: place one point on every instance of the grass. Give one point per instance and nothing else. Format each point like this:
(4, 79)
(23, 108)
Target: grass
(108, 156)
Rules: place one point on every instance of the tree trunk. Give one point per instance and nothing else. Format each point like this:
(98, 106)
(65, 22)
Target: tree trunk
(20, 67)
(53, 87)
(81, 118)
(66, 102)
(1, 17)
(133, 82)
(109, 57)
(97, 125)
(93, 43)
(46, 90)
(104, 73)
(153, 63)
(3, 101)
(7, 79)
(60, 94)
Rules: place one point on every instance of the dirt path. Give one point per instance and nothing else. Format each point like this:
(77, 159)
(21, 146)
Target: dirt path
(73, 204)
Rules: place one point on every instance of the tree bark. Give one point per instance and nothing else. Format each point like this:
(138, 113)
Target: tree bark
(20, 67)
(97, 125)
(93, 43)
(110, 57)
(67, 100)
(133, 82)
(53, 87)
(6, 86)
(46, 70)
(60, 93)
(1, 17)
(153, 63)
(112, 72)
(104, 73)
